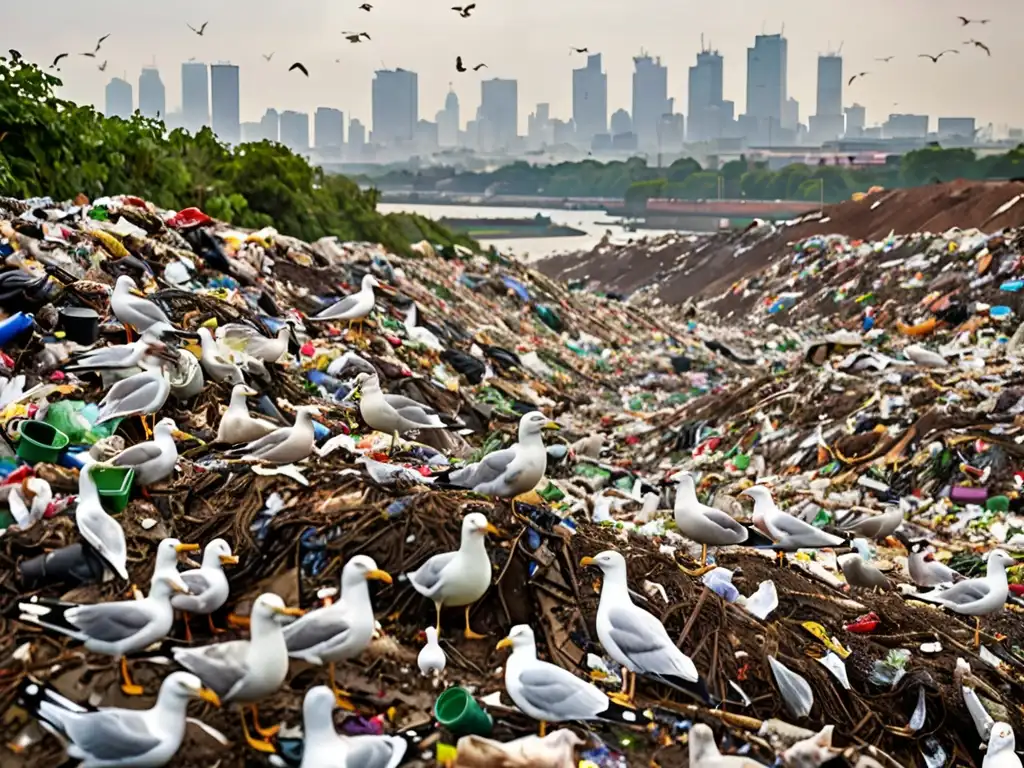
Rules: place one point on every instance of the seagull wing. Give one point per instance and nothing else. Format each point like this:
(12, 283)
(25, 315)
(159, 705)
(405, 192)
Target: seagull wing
(316, 628)
(551, 689)
(110, 622)
(722, 519)
(137, 454)
(221, 667)
(113, 736)
(427, 578)
(488, 470)
(644, 640)
(267, 442)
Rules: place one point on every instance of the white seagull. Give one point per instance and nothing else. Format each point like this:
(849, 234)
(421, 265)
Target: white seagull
(101, 531)
(285, 445)
(431, 658)
(131, 306)
(419, 334)
(323, 747)
(354, 308)
(245, 338)
(789, 533)
(236, 425)
(392, 414)
(207, 585)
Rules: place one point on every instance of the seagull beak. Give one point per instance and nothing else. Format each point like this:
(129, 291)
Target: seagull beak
(180, 587)
(250, 392)
(228, 560)
(587, 561)
(137, 292)
(492, 530)
(207, 695)
(506, 643)
(182, 435)
(290, 611)
(379, 575)
(186, 548)
(552, 425)
(194, 347)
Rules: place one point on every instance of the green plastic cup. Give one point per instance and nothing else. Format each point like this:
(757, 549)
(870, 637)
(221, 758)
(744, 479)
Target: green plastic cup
(458, 711)
(40, 442)
(114, 485)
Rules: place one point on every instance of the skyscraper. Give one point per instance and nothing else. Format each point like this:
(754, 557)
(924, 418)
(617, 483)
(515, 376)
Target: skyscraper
(590, 100)
(499, 108)
(704, 109)
(152, 94)
(225, 101)
(270, 126)
(329, 131)
(356, 140)
(448, 121)
(767, 77)
(856, 119)
(830, 85)
(295, 131)
(396, 108)
(195, 95)
(119, 99)
(621, 122)
(650, 99)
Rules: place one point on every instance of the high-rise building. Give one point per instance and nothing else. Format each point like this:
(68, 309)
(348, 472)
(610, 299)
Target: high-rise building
(621, 122)
(499, 114)
(396, 107)
(791, 114)
(225, 102)
(152, 94)
(356, 140)
(958, 129)
(295, 131)
(540, 131)
(270, 126)
(119, 99)
(252, 132)
(767, 64)
(705, 97)
(856, 120)
(329, 131)
(830, 85)
(905, 127)
(448, 121)
(650, 99)
(590, 100)
(195, 95)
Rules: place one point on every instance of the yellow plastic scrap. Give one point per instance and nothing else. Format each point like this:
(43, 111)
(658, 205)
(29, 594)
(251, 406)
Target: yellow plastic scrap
(111, 244)
(822, 634)
(446, 753)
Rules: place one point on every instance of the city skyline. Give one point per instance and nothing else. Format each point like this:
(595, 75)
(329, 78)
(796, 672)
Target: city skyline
(312, 34)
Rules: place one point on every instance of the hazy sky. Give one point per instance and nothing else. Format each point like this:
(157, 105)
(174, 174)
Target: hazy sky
(529, 40)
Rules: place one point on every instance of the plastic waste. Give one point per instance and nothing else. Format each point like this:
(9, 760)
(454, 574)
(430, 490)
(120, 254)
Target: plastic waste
(796, 691)
(889, 671)
(763, 601)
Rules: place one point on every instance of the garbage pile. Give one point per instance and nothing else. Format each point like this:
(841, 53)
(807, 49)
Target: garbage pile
(468, 496)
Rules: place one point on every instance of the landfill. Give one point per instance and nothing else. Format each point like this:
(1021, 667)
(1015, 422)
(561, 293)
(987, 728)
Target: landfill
(855, 392)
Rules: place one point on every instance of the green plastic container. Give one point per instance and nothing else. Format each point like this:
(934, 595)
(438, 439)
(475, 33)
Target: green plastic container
(40, 443)
(457, 710)
(114, 485)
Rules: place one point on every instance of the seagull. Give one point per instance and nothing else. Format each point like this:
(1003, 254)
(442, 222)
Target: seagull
(979, 44)
(366, 7)
(343, 629)
(131, 306)
(200, 30)
(357, 37)
(244, 338)
(392, 414)
(886, 59)
(57, 60)
(216, 362)
(704, 751)
(858, 570)
(418, 333)
(431, 659)
(116, 628)
(354, 308)
(925, 570)
(285, 445)
(247, 671)
(459, 67)
(872, 526)
(549, 693)
(236, 425)
(976, 597)
(633, 637)
(207, 585)
(29, 500)
(1001, 748)
(101, 41)
(268, 56)
(299, 66)
(478, 67)
(464, 11)
(139, 395)
(859, 74)
(458, 578)
(789, 533)
(964, 21)
(579, 50)
(938, 56)
(153, 460)
(323, 747)
(112, 736)
(101, 531)
(89, 55)
(102, 67)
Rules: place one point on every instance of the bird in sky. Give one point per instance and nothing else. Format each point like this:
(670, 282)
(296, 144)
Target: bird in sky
(859, 74)
(464, 10)
(478, 67)
(979, 44)
(356, 37)
(268, 56)
(102, 67)
(101, 41)
(886, 59)
(578, 50)
(366, 7)
(57, 60)
(459, 66)
(200, 30)
(935, 58)
(964, 21)
(299, 66)
(89, 55)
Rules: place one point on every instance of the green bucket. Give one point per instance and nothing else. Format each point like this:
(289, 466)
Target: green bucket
(39, 442)
(457, 710)
(114, 485)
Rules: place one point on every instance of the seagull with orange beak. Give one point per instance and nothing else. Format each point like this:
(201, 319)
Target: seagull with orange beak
(208, 585)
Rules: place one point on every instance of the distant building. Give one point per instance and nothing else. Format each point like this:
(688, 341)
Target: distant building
(671, 132)
(499, 114)
(270, 126)
(906, 127)
(252, 132)
(621, 122)
(791, 115)
(540, 131)
(624, 142)
(395, 106)
(956, 128)
(650, 99)
(329, 132)
(830, 85)
(562, 131)
(152, 94)
(119, 101)
(426, 136)
(705, 98)
(225, 102)
(448, 121)
(856, 120)
(295, 131)
(356, 140)
(767, 76)
(195, 95)
(590, 100)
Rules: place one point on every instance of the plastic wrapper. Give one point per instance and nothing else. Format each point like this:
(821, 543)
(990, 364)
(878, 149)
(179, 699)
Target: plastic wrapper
(796, 691)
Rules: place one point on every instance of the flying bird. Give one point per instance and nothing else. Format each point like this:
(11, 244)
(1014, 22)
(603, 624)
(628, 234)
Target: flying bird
(102, 67)
(478, 67)
(57, 60)
(964, 21)
(579, 50)
(979, 44)
(89, 55)
(200, 30)
(859, 74)
(101, 41)
(356, 37)
(935, 59)
(268, 56)
(299, 66)
(464, 10)
(886, 59)
(459, 67)
(366, 7)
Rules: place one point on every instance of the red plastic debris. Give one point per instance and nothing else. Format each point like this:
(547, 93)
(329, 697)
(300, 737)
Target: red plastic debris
(307, 349)
(864, 624)
(1017, 590)
(188, 217)
(18, 475)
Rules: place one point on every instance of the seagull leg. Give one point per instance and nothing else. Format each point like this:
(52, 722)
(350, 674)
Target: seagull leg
(622, 697)
(704, 567)
(543, 729)
(469, 634)
(188, 628)
(128, 687)
(267, 733)
(259, 746)
(214, 629)
(145, 427)
(977, 631)
(394, 437)
(781, 558)
(632, 686)
(437, 606)
(340, 697)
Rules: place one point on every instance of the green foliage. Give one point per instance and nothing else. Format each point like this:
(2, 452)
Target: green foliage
(54, 147)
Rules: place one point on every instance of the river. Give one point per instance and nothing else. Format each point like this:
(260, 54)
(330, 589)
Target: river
(595, 223)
